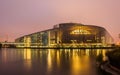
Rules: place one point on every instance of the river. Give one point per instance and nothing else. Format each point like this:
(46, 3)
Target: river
(49, 61)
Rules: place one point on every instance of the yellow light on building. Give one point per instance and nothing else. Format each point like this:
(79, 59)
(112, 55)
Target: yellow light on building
(80, 31)
(27, 41)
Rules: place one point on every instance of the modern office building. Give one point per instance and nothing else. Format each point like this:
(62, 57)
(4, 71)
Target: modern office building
(68, 34)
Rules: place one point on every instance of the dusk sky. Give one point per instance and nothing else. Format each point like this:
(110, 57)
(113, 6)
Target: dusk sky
(21, 17)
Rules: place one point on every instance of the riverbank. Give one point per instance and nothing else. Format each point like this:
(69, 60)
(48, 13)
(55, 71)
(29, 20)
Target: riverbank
(109, 69)
(112, 65)
(47, 47)
(114, 57)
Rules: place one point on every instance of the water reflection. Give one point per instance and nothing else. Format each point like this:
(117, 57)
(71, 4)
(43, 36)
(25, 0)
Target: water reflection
(4, 56)
(76, 64)
(49, 61)
(58, 59)
(27, 54)
(27, 58)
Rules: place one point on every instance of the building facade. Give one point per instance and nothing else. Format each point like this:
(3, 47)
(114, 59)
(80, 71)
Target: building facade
(68, 34)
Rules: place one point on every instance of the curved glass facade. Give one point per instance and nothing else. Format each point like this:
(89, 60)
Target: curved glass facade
(68, 34)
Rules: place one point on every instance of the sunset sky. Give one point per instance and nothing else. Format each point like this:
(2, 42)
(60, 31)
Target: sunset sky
(21, 17)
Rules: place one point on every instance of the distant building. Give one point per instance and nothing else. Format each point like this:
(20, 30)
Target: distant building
(68, 34)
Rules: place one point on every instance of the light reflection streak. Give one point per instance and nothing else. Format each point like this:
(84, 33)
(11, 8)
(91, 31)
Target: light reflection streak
(87, 52)
(98, 52)
(4, 56)
(49, 61)
(27, 59)
(76, 63)
(104, 56)
(81, 62)
(58, 58)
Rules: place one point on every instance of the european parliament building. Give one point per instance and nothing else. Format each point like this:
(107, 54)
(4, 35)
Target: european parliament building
(68, 34)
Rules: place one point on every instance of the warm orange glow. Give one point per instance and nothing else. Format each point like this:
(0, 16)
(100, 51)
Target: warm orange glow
(76, 65)
(80, 64)
(80, 31)
(118, 43)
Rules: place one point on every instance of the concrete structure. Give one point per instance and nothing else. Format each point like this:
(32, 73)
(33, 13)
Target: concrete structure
(68, 34)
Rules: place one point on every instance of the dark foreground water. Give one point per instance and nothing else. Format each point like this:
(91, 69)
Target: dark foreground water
(49, 62)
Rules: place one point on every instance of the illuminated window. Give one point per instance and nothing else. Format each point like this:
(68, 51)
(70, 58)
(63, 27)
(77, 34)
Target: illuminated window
(80, 31)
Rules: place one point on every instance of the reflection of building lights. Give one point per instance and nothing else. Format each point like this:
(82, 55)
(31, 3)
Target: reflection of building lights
(76, 65)
(104, 56)
(4, 54)
(49, 61)
(87, 52)
(27, 57)
(80, 64)
(101, 52)
(27, 54)
(58, 59)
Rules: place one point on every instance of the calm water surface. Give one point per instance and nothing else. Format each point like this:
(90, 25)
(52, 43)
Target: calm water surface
(49, 62)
